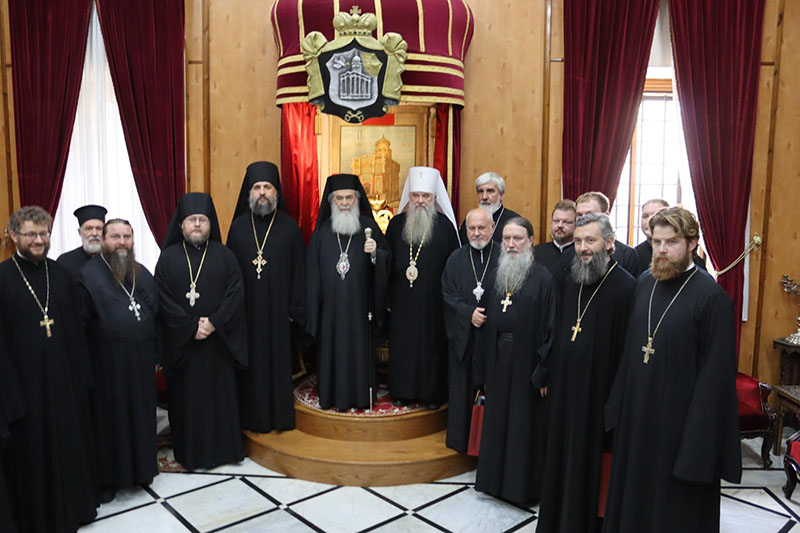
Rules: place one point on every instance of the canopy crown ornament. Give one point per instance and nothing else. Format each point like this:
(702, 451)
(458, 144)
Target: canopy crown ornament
(354, 22)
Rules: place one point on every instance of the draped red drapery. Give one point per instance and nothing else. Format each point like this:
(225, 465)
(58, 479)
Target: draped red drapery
(144, 42)
(447, 151)
(717, 48)
(48, 47)
(299, 165)
(606, 49)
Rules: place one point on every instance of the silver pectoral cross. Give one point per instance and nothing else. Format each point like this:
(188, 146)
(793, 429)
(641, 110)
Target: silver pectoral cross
(478, 292)
(192, 295)
(259, 262)
(134, 307)
(648, 350)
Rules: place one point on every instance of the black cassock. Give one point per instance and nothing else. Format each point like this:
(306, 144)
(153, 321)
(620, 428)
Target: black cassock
(500, 217)
(201, 374)
(74, 261)
(458, 282)
(552, 258)
(675, 418)
(511, 460)
(124, 354)
(12, 407)
(46, 459)
(581, 374)
(417, 339)
(337, 313)
(265, 386)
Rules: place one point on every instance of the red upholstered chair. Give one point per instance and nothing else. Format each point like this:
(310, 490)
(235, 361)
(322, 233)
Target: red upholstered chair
(790, 464)
(756, 417)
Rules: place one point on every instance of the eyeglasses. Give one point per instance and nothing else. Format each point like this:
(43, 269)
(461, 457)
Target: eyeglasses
(32, 235)
(197, 220)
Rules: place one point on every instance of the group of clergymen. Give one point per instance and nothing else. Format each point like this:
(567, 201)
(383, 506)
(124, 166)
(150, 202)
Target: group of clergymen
(582, 364)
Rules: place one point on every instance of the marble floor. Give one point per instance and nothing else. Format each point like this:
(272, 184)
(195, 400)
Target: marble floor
(247, 497)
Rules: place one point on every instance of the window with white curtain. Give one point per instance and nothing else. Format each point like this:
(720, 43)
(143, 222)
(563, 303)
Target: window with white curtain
(98, 168)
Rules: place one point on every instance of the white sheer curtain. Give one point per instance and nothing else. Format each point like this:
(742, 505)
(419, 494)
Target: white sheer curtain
(98, 168)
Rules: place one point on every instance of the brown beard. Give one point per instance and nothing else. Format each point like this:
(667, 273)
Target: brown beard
(123, 266)
(667, 270)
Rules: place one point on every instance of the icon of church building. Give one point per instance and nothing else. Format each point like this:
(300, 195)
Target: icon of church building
(379, 173)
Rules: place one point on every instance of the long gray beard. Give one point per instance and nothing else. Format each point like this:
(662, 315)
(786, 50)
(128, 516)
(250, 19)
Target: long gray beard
(91, 248)
(123, 264)
(419, 223)
(512, 270)
(345, 222)
(263, 210)
(492, 208)
(589, 273)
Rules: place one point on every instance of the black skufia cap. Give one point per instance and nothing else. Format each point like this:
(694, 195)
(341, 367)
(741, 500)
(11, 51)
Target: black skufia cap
(90, 212)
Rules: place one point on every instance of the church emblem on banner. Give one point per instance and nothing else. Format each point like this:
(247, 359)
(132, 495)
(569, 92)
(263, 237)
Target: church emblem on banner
(355, 76)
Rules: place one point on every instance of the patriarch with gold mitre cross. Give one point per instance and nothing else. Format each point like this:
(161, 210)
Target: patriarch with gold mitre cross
(421, 236)
(42, 338)
(595, 306)
(271, 254)
(515, 344)
(673, 404)
(201, 301)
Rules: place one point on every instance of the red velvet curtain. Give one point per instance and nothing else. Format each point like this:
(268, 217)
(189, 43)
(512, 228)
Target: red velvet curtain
(144, 43)
(606, 49)
(717, 48)
(48, 47)
(440, 148)
(299, 165)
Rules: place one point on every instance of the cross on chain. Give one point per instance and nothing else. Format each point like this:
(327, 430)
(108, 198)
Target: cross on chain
(192, 295)
(259, 262)
(134, 307)
(506, 302)
(575, 330)
(648, 350)
(46, 323)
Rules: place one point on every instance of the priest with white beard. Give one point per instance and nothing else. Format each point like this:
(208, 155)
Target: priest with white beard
(490, 188)
(521, 315)
(347, 267)
(421, 238)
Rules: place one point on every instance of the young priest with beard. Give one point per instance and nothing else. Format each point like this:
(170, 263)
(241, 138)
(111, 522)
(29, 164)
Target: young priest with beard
(673, 404)
(513, 350)
(468, 274)
(594, 315)
(119, 304)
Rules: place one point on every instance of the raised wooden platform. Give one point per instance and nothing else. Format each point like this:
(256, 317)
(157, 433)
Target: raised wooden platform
(343, 449)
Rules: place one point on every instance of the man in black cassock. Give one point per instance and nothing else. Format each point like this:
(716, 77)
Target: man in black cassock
(421, 237)
(46, 459)
(468, 275)
(551, 254)
(90, 228)
(624, 255)
(271, 254)
(644, 250)
(516, 342)
(673, 405)
(490, 188)
(201, 303)
(12, 408)
(119, 305)
(594, 313)
(346, 280)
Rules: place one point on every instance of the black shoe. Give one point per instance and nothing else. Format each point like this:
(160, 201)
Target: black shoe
(106, 494)
(433, 406)
(399, 403)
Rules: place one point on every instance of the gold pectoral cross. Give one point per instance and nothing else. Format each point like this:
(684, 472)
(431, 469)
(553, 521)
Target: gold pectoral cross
(648, 350)
(46, 323)
(506, 302)
(575, 330)
(259, 261)
(192, 295)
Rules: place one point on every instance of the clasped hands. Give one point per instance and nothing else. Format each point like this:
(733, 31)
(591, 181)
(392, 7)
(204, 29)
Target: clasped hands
(204, 328)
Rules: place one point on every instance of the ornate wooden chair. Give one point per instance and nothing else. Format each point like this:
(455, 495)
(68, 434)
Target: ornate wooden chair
(756, 417)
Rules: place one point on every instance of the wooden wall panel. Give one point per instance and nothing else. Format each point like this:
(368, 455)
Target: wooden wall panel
(556, 118)
(9, 185)
(195, 115)
(244, 122)
(502, 120)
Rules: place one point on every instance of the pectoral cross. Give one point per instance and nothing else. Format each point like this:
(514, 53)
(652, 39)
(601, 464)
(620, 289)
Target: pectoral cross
(478, 291)
(506, 302)
(192, 295)
(648, 350)
(575, 330)
(134, 306)
(259, 262)
(46, 323)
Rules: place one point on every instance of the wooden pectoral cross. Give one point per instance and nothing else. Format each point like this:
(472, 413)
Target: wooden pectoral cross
(648, 350)
(575, 330)
(192, 295)
(46, 323)
(259, 262)
(506, 302)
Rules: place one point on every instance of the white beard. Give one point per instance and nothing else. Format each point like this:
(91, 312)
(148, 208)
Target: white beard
(480, 245)
(512, 270)
(492, 208)
(345, 222)
(419, 223)
(91, 248)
